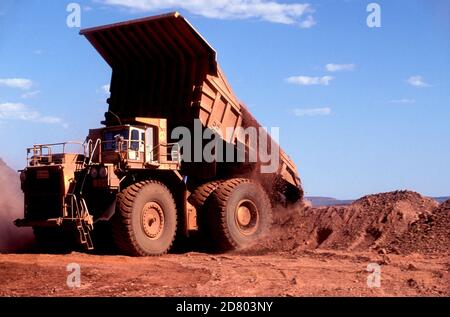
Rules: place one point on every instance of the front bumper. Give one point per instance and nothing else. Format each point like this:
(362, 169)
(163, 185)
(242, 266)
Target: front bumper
(54, 222)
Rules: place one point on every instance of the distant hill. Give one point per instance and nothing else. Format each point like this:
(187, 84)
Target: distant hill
(318, 201)
(441, 199)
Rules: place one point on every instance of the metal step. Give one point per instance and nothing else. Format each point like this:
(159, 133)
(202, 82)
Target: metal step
(84, 234)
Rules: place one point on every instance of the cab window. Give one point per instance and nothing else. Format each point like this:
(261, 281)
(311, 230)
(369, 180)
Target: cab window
(109, 140)
(134, 145)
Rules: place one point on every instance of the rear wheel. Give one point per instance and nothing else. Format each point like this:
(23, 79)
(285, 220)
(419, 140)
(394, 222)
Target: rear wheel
(145, 222)
(239, 214)
(201, 194)
(200, 239)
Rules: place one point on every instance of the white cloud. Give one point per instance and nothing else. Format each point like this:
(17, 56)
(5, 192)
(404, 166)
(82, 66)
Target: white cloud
(404, 101)
(30, 94)
(417, 81)
(21, 83)
(267, 10)
(19, 111)
(105, 89)
(87, 8)
(311, 112)
(307, 23)
(339, 67)
(309, 81)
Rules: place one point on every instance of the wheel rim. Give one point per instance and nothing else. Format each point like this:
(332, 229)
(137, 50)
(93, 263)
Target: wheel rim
(247, 217)
(152, 220)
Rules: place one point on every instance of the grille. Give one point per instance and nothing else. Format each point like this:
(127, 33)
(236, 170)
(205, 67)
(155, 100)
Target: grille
(44, 193)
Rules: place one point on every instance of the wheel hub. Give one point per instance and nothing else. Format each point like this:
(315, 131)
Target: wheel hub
(243, 216)
(247, 217)
(152, 220)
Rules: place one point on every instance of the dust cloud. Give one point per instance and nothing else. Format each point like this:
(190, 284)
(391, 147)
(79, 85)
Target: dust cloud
(12, 239)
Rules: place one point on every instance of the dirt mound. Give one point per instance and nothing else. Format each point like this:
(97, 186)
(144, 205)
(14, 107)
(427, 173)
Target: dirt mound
(371, 222)
(429, 234)
(11, 208)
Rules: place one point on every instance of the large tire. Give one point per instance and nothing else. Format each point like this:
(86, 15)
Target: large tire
(201, 194)
(200, 239)
(239, 214)
(145, 221)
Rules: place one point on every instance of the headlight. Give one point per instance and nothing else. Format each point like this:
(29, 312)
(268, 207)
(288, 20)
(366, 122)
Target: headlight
(103, 172)
(94, 172)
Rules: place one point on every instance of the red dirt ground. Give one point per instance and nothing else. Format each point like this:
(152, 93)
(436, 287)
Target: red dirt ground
(309, 252)
(308, 273)
(314, 252)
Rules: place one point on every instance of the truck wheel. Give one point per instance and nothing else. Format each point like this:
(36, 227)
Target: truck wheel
(199, 199)
(146, 220)
(201, 194)
(239, 214)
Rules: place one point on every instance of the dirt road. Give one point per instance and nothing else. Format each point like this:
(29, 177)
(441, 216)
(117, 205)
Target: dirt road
(309, 273)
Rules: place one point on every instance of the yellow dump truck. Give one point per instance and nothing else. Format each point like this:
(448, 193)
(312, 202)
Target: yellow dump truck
(145, 172)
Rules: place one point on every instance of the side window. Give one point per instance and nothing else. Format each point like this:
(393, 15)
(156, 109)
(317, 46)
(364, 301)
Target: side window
(134, 146)
(108, 144)
(142, 142)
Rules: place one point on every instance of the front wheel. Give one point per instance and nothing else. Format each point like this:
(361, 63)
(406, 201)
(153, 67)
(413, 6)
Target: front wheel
(145, 222)
(239, 214)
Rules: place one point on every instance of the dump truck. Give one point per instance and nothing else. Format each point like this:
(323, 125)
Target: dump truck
(136, 175)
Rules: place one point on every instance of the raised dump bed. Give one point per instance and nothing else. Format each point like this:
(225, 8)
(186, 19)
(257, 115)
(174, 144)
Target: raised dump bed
(163, 68)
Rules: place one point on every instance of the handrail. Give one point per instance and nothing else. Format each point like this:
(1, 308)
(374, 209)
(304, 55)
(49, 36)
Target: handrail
(60, 143)
(87, 147)
(98, 146)
(91, 154)
(74, 203)
(167, 146)
(37, 151)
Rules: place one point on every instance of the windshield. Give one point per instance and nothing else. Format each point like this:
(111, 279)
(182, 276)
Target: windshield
(109, 140)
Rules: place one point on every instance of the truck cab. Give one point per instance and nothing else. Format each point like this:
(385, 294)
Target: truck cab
(140, 144)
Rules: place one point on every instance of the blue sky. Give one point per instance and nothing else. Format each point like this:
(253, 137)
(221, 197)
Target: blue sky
(361, 110)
